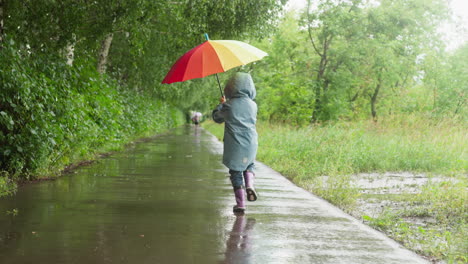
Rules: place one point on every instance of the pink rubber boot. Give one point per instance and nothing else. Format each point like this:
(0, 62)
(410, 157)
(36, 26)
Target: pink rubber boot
(249, 186)
(240, 200)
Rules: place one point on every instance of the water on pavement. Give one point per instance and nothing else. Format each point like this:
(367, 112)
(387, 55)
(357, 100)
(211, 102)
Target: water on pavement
(169, 200)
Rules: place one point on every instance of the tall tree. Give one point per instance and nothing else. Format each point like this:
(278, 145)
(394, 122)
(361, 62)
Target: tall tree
(178, 27)
(446, 78)
(366, 48)
(333, 27)
(401, 31)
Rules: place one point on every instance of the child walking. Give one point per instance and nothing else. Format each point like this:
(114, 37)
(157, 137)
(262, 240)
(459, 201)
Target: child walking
(239, 113)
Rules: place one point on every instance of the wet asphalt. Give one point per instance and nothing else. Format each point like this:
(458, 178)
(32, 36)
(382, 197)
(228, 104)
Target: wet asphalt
(168, 200)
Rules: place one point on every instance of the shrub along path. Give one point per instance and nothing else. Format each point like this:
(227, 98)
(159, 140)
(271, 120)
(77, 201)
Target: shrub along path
(168, 200)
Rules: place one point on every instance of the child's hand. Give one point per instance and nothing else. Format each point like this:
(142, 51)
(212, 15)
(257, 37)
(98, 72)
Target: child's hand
(222, 100)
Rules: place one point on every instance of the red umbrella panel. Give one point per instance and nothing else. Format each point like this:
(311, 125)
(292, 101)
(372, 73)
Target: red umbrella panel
(211, 57)
(199, 62)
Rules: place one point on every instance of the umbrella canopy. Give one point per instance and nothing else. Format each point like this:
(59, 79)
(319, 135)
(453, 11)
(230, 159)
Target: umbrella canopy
(210, 57)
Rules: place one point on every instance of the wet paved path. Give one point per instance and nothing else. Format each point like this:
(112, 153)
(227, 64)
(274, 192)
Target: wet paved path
(168, 200)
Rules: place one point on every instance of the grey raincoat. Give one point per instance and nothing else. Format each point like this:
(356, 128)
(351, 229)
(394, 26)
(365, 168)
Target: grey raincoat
(239, 113)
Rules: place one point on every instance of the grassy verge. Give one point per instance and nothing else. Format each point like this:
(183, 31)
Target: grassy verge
(325, 159)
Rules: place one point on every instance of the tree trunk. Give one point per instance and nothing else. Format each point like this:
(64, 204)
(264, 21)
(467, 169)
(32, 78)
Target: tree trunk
(70, 53)
(319, 82)
(374, 99)
(2, 4)
(103, 54)
(322, 66)
(317, 103)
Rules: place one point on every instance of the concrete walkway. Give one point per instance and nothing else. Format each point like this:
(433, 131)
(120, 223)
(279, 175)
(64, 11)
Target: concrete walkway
(290, 225)
(169, 200)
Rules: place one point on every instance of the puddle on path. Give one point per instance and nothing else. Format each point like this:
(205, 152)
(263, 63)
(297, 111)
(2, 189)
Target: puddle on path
(169, 200)
(143, 205)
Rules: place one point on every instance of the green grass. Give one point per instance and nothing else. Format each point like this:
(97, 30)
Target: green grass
(347, 148)
(323, 158)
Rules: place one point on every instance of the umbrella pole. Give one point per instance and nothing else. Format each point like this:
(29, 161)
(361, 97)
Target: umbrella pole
(219, 84)
(217, 78)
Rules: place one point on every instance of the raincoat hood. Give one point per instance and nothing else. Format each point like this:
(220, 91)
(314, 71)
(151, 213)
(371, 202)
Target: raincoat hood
(239, 114)
(240, 85)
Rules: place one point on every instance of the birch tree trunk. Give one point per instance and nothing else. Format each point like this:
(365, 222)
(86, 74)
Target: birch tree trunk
(70, 53)
(103, 54)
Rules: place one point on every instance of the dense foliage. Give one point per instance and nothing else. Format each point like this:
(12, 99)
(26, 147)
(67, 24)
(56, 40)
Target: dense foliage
(53, 114)
(352, 87)
(78, 77)
(359, 59)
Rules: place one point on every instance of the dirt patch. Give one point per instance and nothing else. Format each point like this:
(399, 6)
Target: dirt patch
(409, 207)
(385, 191)
(394, 183)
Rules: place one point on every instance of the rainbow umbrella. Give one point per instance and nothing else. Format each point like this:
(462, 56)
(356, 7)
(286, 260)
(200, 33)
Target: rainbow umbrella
(212, 57)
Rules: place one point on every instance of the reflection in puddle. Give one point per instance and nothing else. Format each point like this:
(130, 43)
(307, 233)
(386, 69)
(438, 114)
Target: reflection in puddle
(238, 246)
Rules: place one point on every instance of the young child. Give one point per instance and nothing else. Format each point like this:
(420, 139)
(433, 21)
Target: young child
(239, 113)
(196, 118)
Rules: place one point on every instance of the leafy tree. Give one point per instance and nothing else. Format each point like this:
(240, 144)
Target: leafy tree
(347, 59)
(282, 78)
(51, 112)
(401, 31)
(445, 78)
(329, 27)
(366, 49)
(179, 27)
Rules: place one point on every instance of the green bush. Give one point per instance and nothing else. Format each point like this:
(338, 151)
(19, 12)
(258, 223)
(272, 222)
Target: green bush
(52, 114)
(7, 186)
